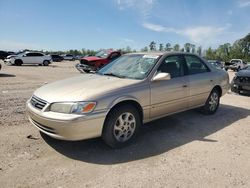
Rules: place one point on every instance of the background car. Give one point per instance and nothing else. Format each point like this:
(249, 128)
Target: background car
(4, 54)
(235, 64)
(241, 81)
(56, 58)
(93, 63)
(69, 57)
(216, 63)
(28, 58)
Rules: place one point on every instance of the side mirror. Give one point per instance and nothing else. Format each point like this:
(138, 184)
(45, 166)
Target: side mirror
(161, 76)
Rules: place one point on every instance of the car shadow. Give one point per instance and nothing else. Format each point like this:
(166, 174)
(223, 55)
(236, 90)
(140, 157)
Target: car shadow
(154, 138)
(7, 75)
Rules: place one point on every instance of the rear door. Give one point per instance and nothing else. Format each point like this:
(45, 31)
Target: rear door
(169, 96)
(38, 58)
(200, 80)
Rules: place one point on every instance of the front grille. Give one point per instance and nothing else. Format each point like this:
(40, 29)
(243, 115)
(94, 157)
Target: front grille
(243, 79)
(37, 102)
(84, 61)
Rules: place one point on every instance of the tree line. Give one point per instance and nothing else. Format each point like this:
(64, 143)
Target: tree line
(240, 49)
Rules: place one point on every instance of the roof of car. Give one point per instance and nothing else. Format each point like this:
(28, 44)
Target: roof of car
(162, 53)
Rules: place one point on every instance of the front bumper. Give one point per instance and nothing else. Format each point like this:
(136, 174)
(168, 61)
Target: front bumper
(9, 61)
(242, 88)
(84, 68)
(66, 126)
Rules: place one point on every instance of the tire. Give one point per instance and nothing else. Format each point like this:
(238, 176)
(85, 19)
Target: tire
(121, 126)
(87, 71)
(212, 103)
(45, 63)
(18, 62)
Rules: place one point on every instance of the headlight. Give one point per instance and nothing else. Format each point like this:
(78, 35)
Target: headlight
(73, 108)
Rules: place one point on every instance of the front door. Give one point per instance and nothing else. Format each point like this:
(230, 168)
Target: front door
(169, 96)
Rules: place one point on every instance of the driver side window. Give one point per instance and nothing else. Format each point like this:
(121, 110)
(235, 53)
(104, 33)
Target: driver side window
(172, 65)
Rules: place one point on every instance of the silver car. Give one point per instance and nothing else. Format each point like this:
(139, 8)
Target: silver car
(134, 89)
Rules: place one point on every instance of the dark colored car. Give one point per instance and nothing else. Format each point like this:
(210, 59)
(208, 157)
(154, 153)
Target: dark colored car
(216, 63)
(4, 54)
(241, 81)
(93, 63)
(56, 58)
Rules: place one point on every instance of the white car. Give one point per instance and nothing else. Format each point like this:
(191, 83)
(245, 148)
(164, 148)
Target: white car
(235, 65)
(28, 58)
(69, 57)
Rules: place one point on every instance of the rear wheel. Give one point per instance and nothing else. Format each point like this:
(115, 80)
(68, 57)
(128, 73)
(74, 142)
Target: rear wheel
(45, 63)
(121, 126)
(212, 102)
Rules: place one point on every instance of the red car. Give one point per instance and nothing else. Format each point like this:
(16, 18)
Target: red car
(93, 63)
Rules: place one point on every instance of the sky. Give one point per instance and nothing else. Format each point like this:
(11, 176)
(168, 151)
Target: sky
(98, 24)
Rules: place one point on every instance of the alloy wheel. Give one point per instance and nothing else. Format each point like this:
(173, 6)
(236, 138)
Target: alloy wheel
(124, 127)
(213, 101)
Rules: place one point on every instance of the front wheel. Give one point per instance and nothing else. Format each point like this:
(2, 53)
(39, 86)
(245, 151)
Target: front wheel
(121, 126)
(212, 103)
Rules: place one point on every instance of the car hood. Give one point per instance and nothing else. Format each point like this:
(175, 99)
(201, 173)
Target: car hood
(243, 73)
(92, 58)
(81, 88)
(10, 56)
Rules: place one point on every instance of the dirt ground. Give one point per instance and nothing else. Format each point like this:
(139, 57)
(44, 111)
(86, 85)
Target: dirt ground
(184, 150)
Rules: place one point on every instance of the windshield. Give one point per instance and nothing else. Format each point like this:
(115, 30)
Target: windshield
(235, 61)
(102, 54)
(248, 67)
(136, 66)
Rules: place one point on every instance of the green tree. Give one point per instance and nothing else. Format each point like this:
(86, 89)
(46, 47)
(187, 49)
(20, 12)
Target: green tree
(210, 53)
(161, 48)
(187, 47)
(176, 47)
(199, 50)
(168, 47)
(128, 49)
(192, 48)
(152, 46)
(145, 49)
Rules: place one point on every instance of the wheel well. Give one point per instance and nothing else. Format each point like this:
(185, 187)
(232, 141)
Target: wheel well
(218, 88)
(128, 102)
(19, 60)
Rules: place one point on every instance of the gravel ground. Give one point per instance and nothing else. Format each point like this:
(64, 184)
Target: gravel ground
(184, 150)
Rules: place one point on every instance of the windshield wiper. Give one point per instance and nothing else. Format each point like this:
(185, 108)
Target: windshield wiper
(114, 75)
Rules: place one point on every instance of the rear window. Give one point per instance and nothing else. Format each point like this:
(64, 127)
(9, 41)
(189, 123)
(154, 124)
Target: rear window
(235, 61)
(195, 65)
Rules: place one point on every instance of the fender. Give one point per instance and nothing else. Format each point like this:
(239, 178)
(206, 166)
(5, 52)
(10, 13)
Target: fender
(121, 99)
